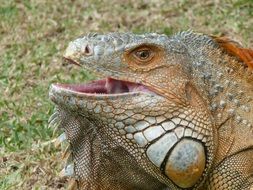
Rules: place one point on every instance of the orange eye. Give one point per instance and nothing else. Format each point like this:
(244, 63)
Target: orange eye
(143, 55)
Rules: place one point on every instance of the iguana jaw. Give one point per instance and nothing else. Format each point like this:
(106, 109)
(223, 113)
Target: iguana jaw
(105, 87)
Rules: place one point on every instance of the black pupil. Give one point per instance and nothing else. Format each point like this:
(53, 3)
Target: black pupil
(143, 54)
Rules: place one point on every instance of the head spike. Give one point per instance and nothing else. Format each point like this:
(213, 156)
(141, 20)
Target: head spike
(68, 171)
(59, 140)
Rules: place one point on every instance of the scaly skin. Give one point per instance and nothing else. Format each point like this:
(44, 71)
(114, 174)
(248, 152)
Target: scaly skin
(185, 124)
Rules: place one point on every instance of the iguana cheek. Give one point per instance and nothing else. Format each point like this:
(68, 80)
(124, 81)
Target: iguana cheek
(186, 163)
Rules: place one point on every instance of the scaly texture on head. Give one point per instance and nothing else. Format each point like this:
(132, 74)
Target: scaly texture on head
(164, 116)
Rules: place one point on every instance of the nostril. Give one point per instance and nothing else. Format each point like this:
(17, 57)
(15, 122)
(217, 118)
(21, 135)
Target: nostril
(87, 50)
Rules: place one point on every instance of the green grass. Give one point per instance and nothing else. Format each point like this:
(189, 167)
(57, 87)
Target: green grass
(33, 36)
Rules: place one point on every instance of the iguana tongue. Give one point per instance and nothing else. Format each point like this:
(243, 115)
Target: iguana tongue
(106, 86)
(116, 86)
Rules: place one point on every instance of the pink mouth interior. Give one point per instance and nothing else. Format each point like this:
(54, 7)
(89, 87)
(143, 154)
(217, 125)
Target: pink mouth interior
(106, 86)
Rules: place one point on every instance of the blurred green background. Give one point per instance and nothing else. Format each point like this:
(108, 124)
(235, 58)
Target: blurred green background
(33, 36)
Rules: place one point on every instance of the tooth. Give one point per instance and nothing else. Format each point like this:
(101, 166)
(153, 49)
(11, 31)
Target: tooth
(60, 139)
(67, 171)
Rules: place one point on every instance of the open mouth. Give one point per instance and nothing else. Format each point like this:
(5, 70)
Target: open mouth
(108, 86)
(103, 87)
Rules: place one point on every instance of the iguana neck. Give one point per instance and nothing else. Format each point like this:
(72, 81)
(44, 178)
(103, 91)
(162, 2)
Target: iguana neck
(225, 83)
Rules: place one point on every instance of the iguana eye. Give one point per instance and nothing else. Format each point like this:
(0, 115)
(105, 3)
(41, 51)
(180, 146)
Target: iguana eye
(143, 54)
(143, 57)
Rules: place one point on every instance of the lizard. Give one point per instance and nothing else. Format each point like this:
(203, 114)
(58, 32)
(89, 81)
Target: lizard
(167, 112)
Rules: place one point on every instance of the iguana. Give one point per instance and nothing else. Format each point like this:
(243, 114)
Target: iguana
(167, 113)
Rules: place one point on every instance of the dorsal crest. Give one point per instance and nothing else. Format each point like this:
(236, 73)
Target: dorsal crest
(235, 49)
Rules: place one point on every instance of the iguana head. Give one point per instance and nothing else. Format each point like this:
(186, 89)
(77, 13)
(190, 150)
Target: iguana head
(145, 108)
(150, 62)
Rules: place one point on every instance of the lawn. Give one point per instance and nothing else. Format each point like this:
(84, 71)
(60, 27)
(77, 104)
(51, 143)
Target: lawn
(33, 36)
